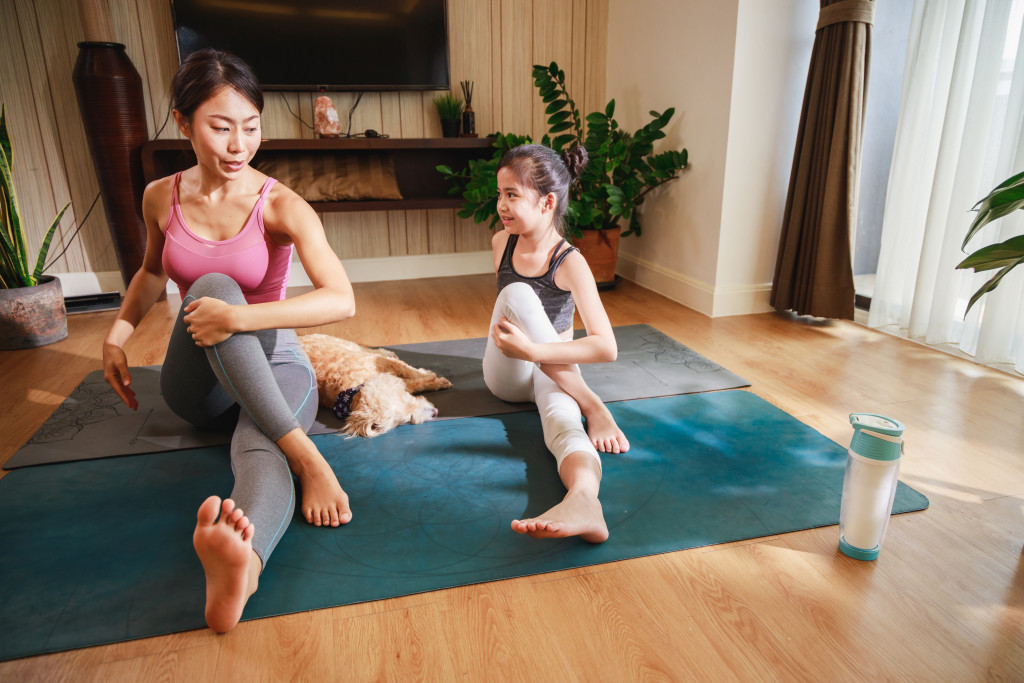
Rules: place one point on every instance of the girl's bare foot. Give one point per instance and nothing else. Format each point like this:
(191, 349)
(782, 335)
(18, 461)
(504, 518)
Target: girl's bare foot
(602, 430)
(324, 502)
(232, 568)
(579, 514)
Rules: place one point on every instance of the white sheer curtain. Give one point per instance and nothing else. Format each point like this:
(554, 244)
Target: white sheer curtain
(959, 135)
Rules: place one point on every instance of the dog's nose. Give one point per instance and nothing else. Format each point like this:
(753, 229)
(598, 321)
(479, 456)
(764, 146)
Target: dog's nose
(433, 411)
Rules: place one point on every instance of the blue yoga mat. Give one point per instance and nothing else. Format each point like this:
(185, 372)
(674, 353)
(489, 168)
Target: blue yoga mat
(100, 551)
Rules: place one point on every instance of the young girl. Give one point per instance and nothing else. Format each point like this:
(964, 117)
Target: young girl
(531, 354)
(224, 233)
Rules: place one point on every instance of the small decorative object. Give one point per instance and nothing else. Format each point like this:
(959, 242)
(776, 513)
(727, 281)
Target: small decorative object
(468, 115)
(32, 311)
(449, 108)
(869, 486)
(325, 118)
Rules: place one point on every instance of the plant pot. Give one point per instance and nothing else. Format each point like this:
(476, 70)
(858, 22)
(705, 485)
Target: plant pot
(601, 250)
(450, 128)
(33, 316)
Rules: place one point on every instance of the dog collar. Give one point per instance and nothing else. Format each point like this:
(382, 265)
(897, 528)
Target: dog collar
(343, 404)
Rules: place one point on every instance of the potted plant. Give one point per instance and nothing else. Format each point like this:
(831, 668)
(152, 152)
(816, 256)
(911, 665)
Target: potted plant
(449, 108)
(32, 309)
(604, 203)
(1006, 198)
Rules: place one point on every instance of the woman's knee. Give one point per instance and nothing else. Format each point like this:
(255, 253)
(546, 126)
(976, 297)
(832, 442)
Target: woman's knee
(216, 286)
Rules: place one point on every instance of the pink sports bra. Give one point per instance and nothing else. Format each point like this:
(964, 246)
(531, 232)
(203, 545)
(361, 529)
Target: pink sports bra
(251, 258)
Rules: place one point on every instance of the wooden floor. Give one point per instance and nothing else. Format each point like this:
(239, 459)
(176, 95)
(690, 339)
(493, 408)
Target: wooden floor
(944, 601)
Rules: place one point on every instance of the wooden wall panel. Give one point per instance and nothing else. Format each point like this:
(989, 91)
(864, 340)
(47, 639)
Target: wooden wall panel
(493, 43)
(552, 42)
(516, 62)
(593, 96)
(29, 160)
(161, 61)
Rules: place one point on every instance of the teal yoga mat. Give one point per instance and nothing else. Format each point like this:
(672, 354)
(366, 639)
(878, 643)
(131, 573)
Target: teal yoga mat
(99, 551)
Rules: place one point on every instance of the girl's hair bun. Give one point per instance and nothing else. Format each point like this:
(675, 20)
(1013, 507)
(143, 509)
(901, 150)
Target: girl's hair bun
(575, 160)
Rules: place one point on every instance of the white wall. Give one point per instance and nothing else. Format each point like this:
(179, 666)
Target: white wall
(734, 70)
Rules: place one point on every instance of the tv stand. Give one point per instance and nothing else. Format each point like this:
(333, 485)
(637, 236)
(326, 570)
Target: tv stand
(415, 160)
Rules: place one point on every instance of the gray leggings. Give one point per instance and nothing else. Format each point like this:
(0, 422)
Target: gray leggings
(269, 376)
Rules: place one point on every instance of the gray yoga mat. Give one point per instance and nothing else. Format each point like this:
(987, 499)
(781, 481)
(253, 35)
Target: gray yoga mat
(94, 423)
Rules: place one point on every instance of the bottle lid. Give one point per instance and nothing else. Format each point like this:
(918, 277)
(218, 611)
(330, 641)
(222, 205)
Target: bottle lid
(877, 423)
(876, 437)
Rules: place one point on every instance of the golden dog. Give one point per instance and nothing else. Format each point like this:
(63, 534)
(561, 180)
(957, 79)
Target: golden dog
(371, 389)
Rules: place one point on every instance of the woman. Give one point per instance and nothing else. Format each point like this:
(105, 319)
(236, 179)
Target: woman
(224, 233)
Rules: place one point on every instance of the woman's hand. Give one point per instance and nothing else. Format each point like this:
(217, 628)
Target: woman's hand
(512, 341)
(115, 371)
(210, 321)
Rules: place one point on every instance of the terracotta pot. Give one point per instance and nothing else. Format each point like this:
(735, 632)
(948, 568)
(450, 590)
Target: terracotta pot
(601, 249)
(33, 316)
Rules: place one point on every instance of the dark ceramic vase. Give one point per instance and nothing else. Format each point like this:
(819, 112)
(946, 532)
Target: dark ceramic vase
(109, 91)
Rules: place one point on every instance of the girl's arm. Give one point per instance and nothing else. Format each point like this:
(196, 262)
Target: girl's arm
(143, 291)
(288, 218)
(598, 346)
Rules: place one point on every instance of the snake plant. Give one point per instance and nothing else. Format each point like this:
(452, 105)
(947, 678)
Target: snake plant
(16, 269)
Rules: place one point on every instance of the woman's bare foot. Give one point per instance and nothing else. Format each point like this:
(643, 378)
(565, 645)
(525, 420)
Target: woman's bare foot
(579, 514)
(324, 502)
(602, 430)
(232, 568)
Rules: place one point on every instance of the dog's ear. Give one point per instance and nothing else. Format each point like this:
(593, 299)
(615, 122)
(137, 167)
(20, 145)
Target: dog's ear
(362, 423)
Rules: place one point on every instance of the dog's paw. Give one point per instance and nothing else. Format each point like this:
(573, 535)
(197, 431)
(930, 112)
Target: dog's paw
(443, 383)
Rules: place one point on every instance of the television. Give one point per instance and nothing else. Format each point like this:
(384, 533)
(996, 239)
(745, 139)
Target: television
(354, 45)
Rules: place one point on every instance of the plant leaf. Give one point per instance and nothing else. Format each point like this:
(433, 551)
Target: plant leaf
(559, 116)
(1004, 199)
(995, 255)
(990, 285)
(561, 141)
(44, 248)
(5, 138)
(14, 239)
(554, 106)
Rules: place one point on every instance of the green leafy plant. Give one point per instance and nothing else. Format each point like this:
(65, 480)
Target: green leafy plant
(448, 106)
(622, 170)
(15, 267)
(1006, 198)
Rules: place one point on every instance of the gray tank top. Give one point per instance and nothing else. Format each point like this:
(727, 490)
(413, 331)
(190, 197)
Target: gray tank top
(558, 303)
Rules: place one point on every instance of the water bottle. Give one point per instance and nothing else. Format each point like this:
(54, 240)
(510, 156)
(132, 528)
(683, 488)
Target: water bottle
(869, 485)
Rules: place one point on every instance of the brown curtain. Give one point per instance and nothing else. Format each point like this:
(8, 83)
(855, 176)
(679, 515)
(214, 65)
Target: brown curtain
(814, 269)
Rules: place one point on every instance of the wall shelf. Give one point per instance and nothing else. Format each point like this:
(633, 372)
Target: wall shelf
(415, 160)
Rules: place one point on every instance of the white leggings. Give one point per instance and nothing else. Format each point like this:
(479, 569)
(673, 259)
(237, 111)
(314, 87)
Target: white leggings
(518, 380)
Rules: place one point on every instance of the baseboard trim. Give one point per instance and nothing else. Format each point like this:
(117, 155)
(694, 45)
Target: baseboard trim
(714, 302)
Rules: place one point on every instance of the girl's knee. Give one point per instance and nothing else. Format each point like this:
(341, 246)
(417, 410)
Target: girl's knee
(574, 440)
(517, 295)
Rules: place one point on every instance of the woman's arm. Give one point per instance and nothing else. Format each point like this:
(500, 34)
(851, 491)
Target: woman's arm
(288, 218)
(143, 291)
(598, 346)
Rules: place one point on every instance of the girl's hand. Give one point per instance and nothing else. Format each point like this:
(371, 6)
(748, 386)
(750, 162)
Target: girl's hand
(115, 371)
(512, 341)
(210, 321)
